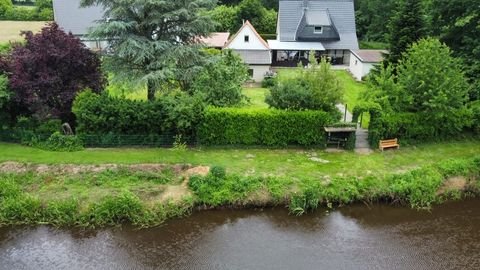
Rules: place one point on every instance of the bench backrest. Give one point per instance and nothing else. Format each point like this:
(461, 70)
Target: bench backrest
(389, 142)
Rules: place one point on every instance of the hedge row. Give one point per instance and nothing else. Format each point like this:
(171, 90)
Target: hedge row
(412, 127)
(27, 14)
(233, 126)
(104, 115)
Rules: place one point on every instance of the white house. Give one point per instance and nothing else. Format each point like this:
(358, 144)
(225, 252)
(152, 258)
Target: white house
(253, 49)
(363, 61)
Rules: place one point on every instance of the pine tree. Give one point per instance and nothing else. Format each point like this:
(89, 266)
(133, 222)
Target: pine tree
(153, 42)
(406, 27)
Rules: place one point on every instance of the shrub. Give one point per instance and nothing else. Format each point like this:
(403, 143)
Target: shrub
(113, 210)
(224, 126)
(5, 7)
(107, 117)
(475, 106)
(48, 71)
(221, 81)
(315, 88)
(269, 82)
(62, 143)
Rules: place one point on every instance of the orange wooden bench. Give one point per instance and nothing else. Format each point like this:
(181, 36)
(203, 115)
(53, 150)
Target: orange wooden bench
(389, 144)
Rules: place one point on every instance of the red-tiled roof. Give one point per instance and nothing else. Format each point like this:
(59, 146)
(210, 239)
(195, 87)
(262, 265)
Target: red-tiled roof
(217, 40)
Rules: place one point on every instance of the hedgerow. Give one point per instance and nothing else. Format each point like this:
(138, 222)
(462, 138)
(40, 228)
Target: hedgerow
(233, 126)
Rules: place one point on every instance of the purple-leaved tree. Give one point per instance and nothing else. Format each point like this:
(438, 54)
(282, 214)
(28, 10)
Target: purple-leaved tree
(47, 72)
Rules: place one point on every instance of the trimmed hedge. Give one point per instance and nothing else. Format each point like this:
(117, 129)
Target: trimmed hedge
(233, 126)
(105, 115)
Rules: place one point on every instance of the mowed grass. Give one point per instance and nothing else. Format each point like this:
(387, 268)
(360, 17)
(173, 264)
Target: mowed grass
(10, 30)
(256, 97)
(295, 163)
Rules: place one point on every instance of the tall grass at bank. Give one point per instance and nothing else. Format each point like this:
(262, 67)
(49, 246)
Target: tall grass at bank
(122, 204)
(418, 188)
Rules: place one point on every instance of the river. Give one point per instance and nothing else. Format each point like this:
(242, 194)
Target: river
(354, 237)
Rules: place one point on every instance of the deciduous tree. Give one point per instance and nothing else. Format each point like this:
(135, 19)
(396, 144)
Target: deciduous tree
(48, 71)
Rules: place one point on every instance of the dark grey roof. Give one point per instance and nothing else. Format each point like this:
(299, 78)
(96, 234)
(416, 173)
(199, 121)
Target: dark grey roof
(72, 18)
(318, 17)
(342, 15)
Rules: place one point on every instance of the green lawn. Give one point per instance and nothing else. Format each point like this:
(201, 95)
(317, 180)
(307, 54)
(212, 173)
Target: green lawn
(256, 96)
(294, 163)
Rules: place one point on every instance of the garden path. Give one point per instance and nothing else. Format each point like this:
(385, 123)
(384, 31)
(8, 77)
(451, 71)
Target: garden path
(361, 145)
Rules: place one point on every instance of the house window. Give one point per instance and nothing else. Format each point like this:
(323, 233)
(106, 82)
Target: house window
(247, 38)
(250, 73)
(318, 30)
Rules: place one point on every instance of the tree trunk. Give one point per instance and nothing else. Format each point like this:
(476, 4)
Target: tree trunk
(151, 91)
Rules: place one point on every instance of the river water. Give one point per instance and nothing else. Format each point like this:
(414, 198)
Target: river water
(355, 237)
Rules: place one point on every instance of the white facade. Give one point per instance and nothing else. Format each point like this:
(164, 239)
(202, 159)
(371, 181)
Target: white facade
(257, 72)
(247, 39)
(358, 68)
(253, 49)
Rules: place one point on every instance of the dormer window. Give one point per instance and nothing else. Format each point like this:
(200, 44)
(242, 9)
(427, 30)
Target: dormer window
(246, 38)
(318, 30)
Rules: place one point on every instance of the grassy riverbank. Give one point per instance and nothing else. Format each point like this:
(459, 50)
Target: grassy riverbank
(101, 187)
(147, 196)
(293, 163)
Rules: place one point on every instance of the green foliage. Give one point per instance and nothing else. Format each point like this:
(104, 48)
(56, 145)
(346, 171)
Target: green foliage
(62, 143)
(262, 19)
(418, 187)
(4, 92)
(163, 49)
(218, 189)
(264, 127)
(19, 13)
(426, 100)
(226, 18)
(220, 82)
(457, 24)
(176, 113)
(475, 107)
(113, 210)
(229, 18)
(269, 82)
(371, 17)
(5, 7)
(315, 88)
(406, 27)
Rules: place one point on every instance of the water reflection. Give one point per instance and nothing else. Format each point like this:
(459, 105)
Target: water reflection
(356, 237)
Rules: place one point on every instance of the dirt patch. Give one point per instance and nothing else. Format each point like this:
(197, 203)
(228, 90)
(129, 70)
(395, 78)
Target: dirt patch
(72, 169)
(453, 184)
(200, 170)
(175, 193)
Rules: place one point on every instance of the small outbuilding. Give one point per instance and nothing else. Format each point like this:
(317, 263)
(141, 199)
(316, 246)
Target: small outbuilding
(363, 61)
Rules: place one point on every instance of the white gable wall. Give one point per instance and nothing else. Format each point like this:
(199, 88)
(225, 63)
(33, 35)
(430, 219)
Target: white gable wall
(239, 42)
(358, 68)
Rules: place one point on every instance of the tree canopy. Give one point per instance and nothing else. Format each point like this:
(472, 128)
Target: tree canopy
(406, 27)
(48, 71)
(429, 83)
(457, 22)
(151, 40)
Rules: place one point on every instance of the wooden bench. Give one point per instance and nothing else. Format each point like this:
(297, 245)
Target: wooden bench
(389, 144)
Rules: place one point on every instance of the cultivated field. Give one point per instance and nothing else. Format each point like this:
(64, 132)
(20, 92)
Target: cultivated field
(10, 30)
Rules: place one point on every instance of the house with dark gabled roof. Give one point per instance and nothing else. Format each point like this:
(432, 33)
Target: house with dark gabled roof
(324, 26)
